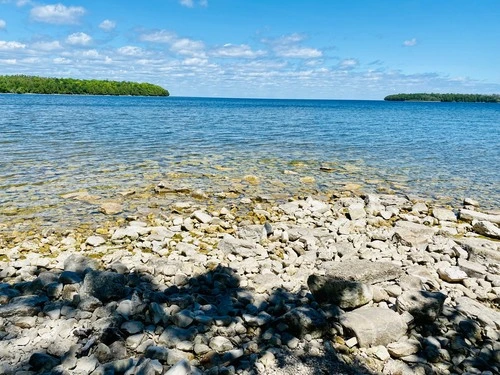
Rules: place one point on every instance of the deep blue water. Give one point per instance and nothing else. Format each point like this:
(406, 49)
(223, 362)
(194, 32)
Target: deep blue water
(50, 145)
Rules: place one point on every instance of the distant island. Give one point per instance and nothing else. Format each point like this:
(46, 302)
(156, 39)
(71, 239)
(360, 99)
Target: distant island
(421, 97)
(22, 84)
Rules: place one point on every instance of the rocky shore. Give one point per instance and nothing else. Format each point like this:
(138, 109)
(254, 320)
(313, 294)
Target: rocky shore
(348, 284)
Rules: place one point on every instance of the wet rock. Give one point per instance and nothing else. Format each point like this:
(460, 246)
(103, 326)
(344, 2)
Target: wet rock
(424, 306)
(111, 208)
(374, 326)
(344, 293)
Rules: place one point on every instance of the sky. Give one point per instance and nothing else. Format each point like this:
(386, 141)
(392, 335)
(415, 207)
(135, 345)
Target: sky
(311, 49)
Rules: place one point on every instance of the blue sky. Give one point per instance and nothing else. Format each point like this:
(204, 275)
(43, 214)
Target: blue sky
(327, 49)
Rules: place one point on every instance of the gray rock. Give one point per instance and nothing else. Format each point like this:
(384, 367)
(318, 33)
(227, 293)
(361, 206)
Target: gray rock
(443, 214)
(357, 211)
(70, 277)
(180, 368)
(220, 344)
(472, 269)
(182, 319)
(345, 293)
(202, 217)
(79, 263)
(305, 320)
(132, 327)
(105, 285)
(403, 348)
(172, 335)
(86, 365)
(486, 228)
(95, 241)
(374, 326)
(266, 283)
(364, 271)
(131, 232)
(157, 352)
(22, 306)
(413, 234)
(111, 208)
(484, 314)
(424, 306)
(470, 215)
(43, 362)
(452, 274)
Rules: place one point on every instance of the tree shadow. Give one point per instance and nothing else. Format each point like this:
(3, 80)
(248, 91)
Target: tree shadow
(82, 320)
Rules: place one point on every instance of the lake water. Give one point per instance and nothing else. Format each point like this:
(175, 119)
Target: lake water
(54, 145)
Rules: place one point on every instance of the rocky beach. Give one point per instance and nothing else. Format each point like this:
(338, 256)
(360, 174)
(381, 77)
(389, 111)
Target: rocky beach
(344, 282)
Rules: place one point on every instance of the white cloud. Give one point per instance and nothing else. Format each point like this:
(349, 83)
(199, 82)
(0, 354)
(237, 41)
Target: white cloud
(47, 46)
(410, 42)
(7, 46)
(3, 24)
(79, 39)
(130, 51)
(299, 52)
(181, 46)
(57, 14)
(90, 53)
(347, 64)
(61, 60)
(191, 3)
(8, 61)
(235, 51)
(107, 25)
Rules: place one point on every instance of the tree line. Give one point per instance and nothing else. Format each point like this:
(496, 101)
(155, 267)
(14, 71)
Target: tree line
(476, 98)
(23, 84)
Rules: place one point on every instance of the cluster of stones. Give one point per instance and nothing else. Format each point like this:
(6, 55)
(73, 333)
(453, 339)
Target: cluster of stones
(375, 283)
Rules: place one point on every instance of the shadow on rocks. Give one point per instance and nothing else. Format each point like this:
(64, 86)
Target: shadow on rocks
(82, 320)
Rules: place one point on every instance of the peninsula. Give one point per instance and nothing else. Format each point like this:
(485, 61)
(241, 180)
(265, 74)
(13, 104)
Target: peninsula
(422, 97)
(22, 84)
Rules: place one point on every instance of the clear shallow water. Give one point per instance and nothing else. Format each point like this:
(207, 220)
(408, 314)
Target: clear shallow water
(52, 145)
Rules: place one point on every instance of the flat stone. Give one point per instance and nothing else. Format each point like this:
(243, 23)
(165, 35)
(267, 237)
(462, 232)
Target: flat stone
(202, 217)
(484, 314)
(95, 241)
(423, 305)
(128, 232)
(374, 326)
(345, 293)
(470, 215)
(413, 234)
(486, 228)
(22, 306)
(111, 208)
(236, 246)
(480, 246)
(403, 348)
(452, 274)
(443, 214)
(472, 269)
(356, 211)
(364, 271)
(266, 283)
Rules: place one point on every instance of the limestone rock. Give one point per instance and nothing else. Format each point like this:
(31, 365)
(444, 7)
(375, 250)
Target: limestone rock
(424, 306)
(95, 241)
(220, 344)
(43, 362)
(470, 215)
(305, 320)
(374, 326)
(357, 211)
(486, 316)
(364, 271)
(22, 306)
(486, 228)
(452, 274)
(403, 348)
(111, 208)
(413, 234)
(105, 285)
(345, 293)
(443, 214)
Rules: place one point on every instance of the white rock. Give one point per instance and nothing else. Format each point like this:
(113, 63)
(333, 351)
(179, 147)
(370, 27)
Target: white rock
(443, 214)
(202, 216)
(95, 241)
(452, 274)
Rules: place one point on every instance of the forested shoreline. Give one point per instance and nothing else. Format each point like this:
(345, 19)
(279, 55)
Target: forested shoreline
(432, 97)
(22, 84)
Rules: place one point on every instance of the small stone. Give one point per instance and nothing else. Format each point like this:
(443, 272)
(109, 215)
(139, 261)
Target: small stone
(403, 348)
(95, 241)
(180, 368)
(202, 217)
(220, 344)
(452, 274)
(111, 208)
(356, 211)
(132, 327)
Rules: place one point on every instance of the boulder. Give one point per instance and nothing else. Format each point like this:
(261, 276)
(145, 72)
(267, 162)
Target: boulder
(470, 215)
(452, 274)
(364, 271)
(486, 228)
(374, 326)
(104, 285)
(485, 315)
(424, 306)
(413, 234)
(345, 293)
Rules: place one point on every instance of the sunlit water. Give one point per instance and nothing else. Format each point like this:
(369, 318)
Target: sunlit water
(53, 145)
